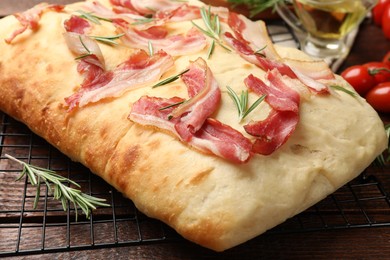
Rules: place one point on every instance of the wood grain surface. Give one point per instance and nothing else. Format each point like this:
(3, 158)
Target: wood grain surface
(341, 243)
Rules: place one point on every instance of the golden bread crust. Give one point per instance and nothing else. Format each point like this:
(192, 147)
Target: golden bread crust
(207, 199)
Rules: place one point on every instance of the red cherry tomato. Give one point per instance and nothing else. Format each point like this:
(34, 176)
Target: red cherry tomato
(379, 70)
(377, 11)
(386, 58)
(359, 78)
(379, 97)
(386, 21)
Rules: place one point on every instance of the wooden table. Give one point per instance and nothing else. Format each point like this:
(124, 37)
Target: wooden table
(340, 243)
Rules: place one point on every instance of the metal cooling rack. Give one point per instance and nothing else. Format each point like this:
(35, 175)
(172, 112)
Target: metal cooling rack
(363, 202)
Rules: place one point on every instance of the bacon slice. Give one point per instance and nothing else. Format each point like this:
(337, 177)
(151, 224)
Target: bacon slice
(222, 140)
(259, 60)
(95, 77)
(83, 46)
(123, 3)
(266, 64)
(76, 24)
(123, 13)
(30, 18)
(274, 131)
(156, 112)
(175, 45)
(135, 72)
(213, 137)
(184, 12)
(254, 35)
(146, 7)
(205, 96)
(316, 69)
(118, 12)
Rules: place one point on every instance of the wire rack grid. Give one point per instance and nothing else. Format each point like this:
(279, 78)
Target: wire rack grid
(24, 230)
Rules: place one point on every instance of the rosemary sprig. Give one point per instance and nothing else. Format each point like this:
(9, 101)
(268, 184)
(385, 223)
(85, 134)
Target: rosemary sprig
(381, 160)
(349, 92)
(241, 102)
(56, 184)
(260, 51)
(171, 105)
(211, 49)
(142, 21)
(91, 17)
(213, 28)
(255, 6)
(107, 39)
(88, 53)
(169, 79)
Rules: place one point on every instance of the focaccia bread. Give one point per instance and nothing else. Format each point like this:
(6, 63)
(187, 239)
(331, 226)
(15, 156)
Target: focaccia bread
(301, 143)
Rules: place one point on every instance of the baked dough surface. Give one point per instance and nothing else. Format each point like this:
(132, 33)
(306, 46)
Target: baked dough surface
(208, 200)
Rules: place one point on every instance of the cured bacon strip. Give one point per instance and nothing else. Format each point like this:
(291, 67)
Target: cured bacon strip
(175, 45)
(249, 54)
(118, 13)
(266, 64)
(138, 70)
(213, 137)
(222, 140)
(82, 45)
(155, 111)
(317, 69)
(275, 130)
(187, 12)
(30, 18)
(94, 77)
(76, 24)
(146, 7)
(154, 33)
(123, 3)
(190, 120)
(254, 34)
(205, 96)
(125, 14)
(184, 12)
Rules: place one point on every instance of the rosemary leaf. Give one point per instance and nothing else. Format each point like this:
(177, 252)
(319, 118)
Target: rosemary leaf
(237, 101)
(142, 21)
(88, 53)
(254, 105)
(31, 177)
(259, 51)
(56, 185)
(108, 39)
(170, 79)
(83, 56)
(21, 175)
(38, 193)
(241, 102)
(213, 28)
(91, 17)
(207, 33)
(349, 92)
(171, 105)
(211, 49)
